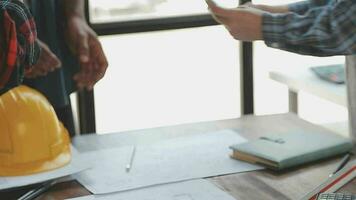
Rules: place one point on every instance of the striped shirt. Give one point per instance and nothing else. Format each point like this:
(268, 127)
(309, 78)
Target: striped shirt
(314, 27)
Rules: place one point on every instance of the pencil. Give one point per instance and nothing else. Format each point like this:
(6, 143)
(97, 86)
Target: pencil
(32, 194)
(129, 164)
(343, 162)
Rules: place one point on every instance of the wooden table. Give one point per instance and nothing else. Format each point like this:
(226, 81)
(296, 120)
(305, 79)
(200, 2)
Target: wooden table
(264, 185)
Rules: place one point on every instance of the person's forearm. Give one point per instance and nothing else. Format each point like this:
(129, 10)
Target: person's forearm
(73, 8)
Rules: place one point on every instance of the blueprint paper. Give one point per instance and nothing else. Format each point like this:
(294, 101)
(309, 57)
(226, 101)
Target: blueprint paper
(168, 161)
(189, 190)
(75, 166)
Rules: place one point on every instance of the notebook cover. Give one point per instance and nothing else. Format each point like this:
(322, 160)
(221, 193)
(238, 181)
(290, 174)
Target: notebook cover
(293, 148)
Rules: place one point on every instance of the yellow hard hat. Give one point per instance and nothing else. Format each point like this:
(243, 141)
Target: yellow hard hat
(32, 139)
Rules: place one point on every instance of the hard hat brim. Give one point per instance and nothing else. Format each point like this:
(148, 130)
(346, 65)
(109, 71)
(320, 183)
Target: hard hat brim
(40, 166)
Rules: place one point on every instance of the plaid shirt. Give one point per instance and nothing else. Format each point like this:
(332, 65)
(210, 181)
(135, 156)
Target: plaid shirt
(19, 49)
(314, 27)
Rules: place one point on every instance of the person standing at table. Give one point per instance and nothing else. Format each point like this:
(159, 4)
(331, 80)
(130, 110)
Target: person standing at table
(71, 58)
(312, 27)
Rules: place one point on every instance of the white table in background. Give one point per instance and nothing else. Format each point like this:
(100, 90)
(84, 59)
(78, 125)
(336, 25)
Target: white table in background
(303, 79)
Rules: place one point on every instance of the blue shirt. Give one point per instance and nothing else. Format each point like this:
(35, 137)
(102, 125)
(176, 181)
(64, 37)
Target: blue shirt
(314, 27)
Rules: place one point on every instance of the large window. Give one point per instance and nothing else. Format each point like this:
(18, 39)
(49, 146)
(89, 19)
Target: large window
(187, 75)
(164, 77)
(168, 77)
(102, 11)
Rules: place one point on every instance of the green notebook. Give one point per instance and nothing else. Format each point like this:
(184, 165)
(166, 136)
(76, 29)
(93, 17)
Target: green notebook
(280, 151)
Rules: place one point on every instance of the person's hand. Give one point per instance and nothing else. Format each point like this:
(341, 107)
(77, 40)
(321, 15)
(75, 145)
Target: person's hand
(243, 23)
(47, 62)
(83, 41)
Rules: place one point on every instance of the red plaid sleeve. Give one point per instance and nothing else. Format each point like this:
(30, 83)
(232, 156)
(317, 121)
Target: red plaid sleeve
(19, 49)
(9, 51)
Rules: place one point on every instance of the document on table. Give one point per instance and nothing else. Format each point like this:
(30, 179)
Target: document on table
(188, 190)
(168, 161)
(75, 166)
